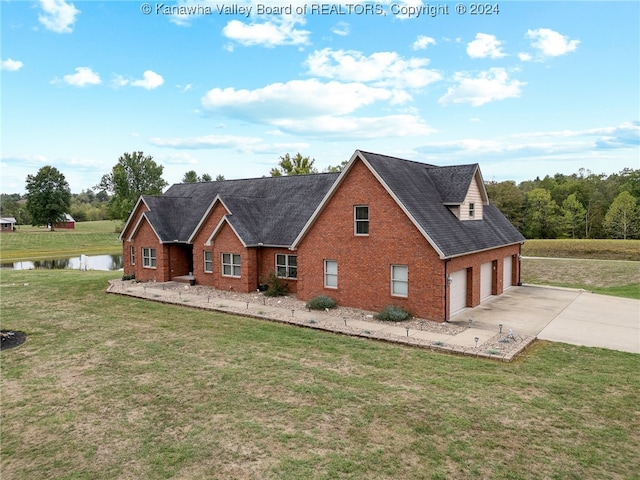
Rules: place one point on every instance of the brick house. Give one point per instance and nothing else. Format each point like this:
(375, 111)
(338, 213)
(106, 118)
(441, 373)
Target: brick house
(7, 224)
(383, 231)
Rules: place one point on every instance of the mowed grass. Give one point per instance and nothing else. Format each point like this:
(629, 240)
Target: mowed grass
(114, 387)
(34, 243)
(609, 267)
(583, 248)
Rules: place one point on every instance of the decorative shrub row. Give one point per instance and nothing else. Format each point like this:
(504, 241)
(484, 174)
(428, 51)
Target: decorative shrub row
(129, 277)
(393, 313)
(321, 302)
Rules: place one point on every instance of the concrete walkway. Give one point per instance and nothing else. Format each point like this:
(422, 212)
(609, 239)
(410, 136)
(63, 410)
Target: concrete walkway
(500, 328)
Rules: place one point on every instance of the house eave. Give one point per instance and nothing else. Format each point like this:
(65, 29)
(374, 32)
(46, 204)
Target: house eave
(482, 250)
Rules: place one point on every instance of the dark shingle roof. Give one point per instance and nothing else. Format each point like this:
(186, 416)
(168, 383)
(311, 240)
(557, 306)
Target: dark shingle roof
(424, 189)
(269, 210)
(274, 210)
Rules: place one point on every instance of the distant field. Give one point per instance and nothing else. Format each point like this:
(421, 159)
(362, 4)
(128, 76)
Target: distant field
(33, 243)
(586, 248)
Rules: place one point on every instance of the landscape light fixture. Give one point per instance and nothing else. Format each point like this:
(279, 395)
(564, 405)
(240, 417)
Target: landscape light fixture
(476, 339)
(470, 320)
(500, 328)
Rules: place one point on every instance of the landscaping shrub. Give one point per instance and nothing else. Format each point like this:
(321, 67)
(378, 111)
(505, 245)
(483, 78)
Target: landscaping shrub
(129, 277)
(321, 302)
(393, 313)
(277, 287)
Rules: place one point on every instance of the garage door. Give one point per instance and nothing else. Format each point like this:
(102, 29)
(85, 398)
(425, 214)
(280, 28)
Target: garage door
(458, 292)
(486, 277)
(508, 272)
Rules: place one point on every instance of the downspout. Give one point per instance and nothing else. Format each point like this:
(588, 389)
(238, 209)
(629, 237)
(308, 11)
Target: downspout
(258, 249)
(520, 266)
(446, 290)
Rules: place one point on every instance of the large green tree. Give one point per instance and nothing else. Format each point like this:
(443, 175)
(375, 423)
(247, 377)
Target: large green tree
(573, 216)
(509, 199)
(296, 165)
(541, 217)
(135, 174)
(48, 196)
(621, 220)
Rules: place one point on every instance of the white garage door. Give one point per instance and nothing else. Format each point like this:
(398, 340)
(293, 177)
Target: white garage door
(458, 292)
(486, 277)
(507, 272)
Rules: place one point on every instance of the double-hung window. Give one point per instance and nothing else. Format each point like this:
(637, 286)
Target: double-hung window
(361, 219)
(208, 261)
(287, 266)
(472, 210)
(399, 280)
(149, 257)
(132, 254)
(331, 274)
(230, 264)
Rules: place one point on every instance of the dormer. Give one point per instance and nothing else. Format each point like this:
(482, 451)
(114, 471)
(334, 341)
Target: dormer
(462, 190)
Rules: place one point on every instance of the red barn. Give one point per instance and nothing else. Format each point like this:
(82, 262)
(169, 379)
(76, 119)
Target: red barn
(67, 222)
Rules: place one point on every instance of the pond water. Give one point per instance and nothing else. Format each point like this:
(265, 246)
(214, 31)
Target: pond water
(83, 262)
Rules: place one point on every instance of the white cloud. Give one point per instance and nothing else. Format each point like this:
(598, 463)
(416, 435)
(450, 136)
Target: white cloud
(550, 43)
(357, 127)
(423, 42)
(380, 68)
(488, 86)
(341, 28)
(150, 80)
(484, 46)
(297, 98)
(206, 142)
(278, 31)
(11, 65)
(58, 15)
(525, 57)
(84, 76)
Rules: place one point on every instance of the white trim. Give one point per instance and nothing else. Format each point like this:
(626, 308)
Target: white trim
(131, 215)
(324, 276)
(150, 257)
(206, 215)
(396, 280)
(362, 220)
(139, 224)
(216, 230)
(204, 261)
(232, 265)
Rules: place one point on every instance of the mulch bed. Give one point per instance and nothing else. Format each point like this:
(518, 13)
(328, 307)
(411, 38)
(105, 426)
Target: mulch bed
(11, 339)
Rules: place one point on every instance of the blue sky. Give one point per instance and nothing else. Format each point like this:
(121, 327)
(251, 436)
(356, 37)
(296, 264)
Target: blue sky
(531, 89)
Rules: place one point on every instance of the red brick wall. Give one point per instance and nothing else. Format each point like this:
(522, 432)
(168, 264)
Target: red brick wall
(473, 263)
(364, 262)
(146, 238)
(128, 268)
(180, 259)
(267, 263)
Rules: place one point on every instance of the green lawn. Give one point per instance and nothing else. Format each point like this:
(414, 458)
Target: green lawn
(33, 243)
(115, 387)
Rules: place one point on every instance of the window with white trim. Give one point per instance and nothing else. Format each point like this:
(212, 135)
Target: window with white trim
(331, 274)
(148, 257)
(361, 219)
(231, 264)
(472, 210)
(400, 280)
(132, 253)
(287, 266)
(208, 261)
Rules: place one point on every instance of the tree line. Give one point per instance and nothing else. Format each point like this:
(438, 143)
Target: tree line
(582, 205)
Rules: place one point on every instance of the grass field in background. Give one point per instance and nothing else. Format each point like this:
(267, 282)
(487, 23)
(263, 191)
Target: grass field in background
(583, 248)
(116, 387)
(35, 243)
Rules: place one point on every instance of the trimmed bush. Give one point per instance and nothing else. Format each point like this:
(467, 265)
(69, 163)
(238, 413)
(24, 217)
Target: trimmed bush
(392, 313)
(321, 302)
(277, 288)
(129, 277)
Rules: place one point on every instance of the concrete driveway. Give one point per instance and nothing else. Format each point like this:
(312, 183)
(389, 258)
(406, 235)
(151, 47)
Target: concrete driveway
(561, 315)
